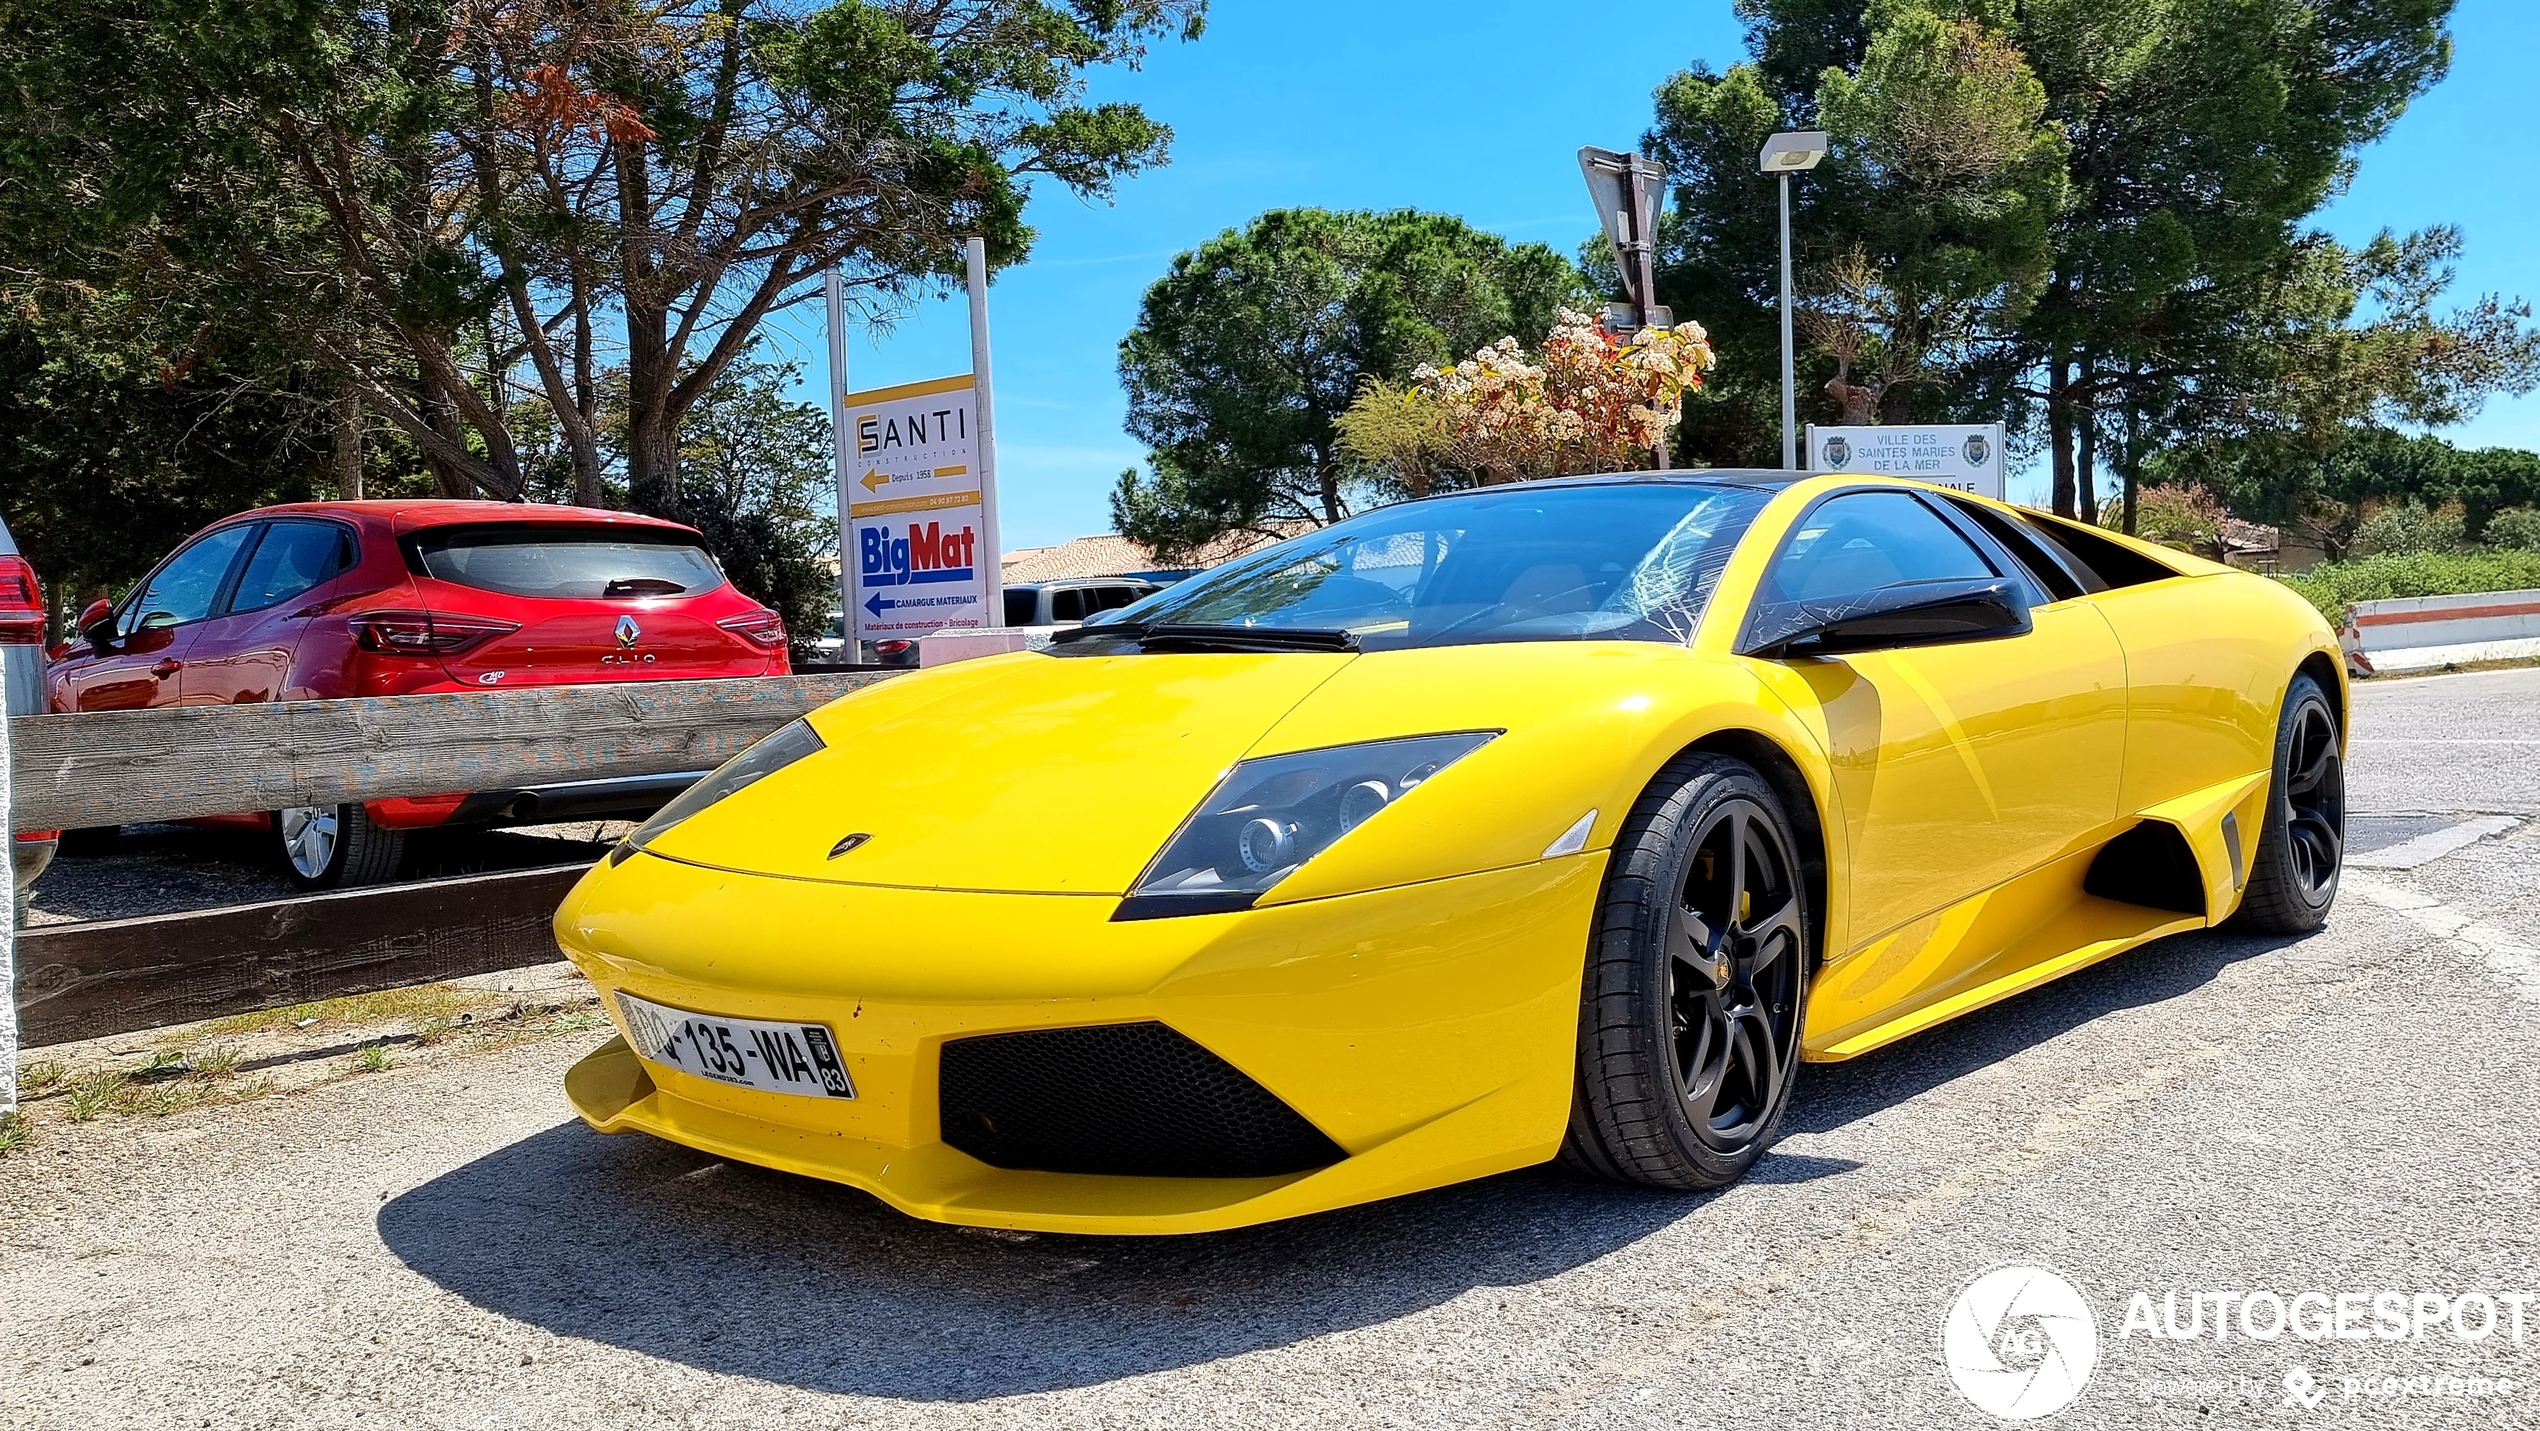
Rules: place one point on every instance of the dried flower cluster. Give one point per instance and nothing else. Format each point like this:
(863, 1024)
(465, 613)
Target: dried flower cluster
(1583, 402)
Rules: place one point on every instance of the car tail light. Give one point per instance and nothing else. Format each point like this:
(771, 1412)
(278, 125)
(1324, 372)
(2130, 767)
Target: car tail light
(425, 633)
(21, 603)
(760, 628)
(892, 648)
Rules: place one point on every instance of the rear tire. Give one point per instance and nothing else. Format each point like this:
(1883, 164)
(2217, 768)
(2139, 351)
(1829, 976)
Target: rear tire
(2302, 848)
(1697, 976)
(337, 846)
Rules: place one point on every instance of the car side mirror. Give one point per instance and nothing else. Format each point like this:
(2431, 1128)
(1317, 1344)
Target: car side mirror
(97, 626)
(1909, 613)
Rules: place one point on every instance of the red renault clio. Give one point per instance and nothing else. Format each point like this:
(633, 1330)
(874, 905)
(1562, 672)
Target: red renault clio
(325, 599)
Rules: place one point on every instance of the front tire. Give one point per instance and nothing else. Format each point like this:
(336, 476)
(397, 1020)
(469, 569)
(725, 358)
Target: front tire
(2302, 848)
(1698, 966)
(337, 846)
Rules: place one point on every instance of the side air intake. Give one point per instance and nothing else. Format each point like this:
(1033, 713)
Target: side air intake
(2149, 865)
(1136, 1099)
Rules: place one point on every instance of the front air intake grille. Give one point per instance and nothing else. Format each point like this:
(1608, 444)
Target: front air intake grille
(1134, 1099)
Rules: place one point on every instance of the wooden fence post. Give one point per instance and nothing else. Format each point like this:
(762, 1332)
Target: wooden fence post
(8, 912)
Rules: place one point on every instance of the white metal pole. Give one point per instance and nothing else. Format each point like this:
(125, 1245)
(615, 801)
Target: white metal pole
(8, 905)
(1790, 374)
(835, 291)
(992, 547)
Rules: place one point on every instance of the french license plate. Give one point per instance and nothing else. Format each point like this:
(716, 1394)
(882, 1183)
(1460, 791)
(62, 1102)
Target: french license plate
(747, 1053)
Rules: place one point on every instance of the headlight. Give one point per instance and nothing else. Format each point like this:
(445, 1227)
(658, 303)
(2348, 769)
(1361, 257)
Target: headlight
(747, 768)
(1269, 816)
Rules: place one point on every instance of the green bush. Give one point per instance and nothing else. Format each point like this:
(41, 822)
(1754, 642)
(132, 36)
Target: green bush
(2393, 574)
(2409, 528)
(2514, 529)
(2188, 518)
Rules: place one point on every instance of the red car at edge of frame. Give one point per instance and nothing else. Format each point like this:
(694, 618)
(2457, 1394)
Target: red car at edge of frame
(316, 600)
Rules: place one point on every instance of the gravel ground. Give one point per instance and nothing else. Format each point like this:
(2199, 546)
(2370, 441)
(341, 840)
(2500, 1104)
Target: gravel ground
(440, 1244)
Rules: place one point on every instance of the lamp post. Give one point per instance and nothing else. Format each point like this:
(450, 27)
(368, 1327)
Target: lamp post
(1785, 155)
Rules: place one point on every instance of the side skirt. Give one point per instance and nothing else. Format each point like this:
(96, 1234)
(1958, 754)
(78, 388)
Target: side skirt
(1980, 951)
(2043, 925)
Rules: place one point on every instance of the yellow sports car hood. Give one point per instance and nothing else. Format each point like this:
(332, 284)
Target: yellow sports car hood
(1067, 775)
(1023, 773)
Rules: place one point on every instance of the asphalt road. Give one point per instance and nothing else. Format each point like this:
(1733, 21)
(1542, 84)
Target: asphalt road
(2351, 1112)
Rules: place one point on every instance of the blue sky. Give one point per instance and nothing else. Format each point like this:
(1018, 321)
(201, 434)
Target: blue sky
(1478, 109)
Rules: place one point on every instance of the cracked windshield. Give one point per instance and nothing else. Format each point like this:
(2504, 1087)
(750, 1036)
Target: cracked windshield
(1607, 562)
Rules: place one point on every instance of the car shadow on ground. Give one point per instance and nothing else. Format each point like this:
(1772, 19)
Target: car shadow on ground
(640, 1244)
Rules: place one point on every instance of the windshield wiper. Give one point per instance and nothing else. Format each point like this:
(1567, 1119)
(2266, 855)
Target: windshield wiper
(1185, 636)
(625, 586)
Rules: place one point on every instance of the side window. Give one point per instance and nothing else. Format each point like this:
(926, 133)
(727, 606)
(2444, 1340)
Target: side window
(291, 557)
(1068, 605)
(185, 588)
(1862, 541)
(2110, 563)
(1112, 598)
(2055, 582)
(1022, 606)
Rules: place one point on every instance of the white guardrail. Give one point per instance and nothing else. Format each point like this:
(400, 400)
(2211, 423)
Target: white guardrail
(2422, 633)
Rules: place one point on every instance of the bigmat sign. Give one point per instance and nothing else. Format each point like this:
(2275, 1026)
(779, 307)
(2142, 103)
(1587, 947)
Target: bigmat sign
(916, 542)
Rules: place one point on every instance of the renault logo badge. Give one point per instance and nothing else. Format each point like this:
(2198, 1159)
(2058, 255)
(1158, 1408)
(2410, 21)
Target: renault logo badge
(627, 633)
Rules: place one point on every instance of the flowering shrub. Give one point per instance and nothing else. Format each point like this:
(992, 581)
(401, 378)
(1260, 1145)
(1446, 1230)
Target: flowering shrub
(1583, 402)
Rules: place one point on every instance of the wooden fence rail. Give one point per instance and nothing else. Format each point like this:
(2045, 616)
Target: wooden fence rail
(86, 980)
(107, 976)
(178, 762)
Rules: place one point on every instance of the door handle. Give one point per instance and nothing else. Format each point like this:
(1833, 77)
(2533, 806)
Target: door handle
(167, 668)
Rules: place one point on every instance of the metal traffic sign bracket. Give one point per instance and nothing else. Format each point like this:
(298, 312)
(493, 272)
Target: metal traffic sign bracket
(1628, 190)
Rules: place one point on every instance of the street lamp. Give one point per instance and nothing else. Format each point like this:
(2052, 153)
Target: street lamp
(1785, 155)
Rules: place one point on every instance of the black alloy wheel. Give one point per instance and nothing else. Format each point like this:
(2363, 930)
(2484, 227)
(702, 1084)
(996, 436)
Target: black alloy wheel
(1697, 976)
(1733, 973)
(2302, 849)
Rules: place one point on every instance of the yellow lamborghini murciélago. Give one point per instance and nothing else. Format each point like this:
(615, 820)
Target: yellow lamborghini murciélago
(1563, 819)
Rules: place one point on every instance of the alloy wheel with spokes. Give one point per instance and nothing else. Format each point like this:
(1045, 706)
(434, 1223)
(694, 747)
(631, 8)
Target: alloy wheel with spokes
(1690, 1015)
(334, 846)
(2315, 800)
(308, 839)
(2302, 846)
(1734, 970)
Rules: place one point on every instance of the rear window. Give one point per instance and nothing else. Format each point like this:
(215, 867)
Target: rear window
(574, 563)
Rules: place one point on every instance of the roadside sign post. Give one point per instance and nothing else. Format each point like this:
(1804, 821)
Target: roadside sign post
(915, 536)
(1627, 190)
(992, 568)
(835, 291)
(918, 548)
(1968, 457)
